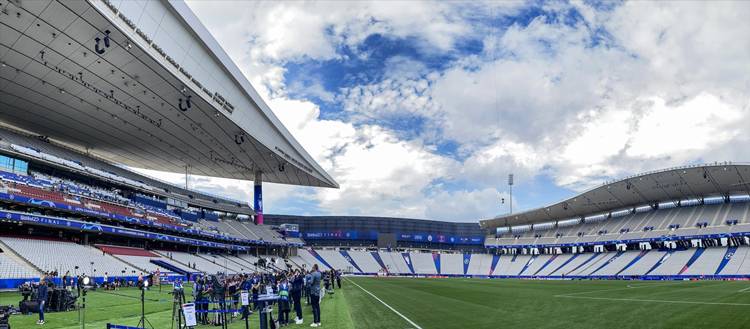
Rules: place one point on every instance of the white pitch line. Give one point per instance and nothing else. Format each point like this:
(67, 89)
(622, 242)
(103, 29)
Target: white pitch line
(386, 305)
(746, 289)
(653, 300)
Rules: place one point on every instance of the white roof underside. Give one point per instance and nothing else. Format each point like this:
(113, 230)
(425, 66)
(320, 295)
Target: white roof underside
(683, 183)
(122, 105)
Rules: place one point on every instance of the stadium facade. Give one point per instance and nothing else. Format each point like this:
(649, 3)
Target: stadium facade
(89, 89)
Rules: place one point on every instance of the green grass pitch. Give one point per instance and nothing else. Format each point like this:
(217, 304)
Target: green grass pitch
(468, 303)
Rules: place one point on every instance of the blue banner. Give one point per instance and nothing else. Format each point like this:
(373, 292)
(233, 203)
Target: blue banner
(407, 260)
(349, 258)
(92, 227)
(340, 235)
(258, 203)
(467, 260)
(439, 238)
(405, 237)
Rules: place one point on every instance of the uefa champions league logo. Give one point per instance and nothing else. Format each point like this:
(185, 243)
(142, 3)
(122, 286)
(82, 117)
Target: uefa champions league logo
(429, 238)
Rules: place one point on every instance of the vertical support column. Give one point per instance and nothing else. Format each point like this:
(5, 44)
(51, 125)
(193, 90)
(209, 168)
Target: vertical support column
(258, 193)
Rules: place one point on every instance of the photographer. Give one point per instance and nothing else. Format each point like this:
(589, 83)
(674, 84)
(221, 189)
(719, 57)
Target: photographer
(217, 291)
(65, 279)
(41, 298)
(200, 294)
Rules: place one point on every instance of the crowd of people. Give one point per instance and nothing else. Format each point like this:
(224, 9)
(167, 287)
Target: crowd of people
(295, 289)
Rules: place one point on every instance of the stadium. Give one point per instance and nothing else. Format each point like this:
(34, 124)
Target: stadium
(90, 90)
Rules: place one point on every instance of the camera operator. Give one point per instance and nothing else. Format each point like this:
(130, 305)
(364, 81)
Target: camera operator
(200, 294)
(79, 284)
(65, 279)
(217, 291)
(41, 298)
(5, 312)
(26, 291)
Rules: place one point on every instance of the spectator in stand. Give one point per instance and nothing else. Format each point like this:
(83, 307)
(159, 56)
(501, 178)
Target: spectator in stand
(298, 283)
(315, 278)
(41, 298)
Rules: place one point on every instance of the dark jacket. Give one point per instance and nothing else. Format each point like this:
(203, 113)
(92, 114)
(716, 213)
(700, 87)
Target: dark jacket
(297, 283)
(42, 293)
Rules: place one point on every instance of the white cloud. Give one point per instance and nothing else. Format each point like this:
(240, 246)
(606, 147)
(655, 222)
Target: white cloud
(644, 86)
(377, 172)
(697, 124)
(282, 31)
(466, 205)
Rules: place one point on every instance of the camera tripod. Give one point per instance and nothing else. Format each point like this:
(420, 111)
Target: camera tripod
(178, 299)
(143, 321)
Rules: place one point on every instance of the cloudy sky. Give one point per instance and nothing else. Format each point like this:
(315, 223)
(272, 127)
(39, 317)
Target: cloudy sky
(421, 109)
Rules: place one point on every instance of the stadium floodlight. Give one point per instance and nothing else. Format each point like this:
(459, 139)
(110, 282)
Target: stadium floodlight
(510, 185)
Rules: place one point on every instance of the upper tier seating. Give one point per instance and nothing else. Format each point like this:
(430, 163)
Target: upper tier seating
(646, 224)
(34, 147)
(243, 230)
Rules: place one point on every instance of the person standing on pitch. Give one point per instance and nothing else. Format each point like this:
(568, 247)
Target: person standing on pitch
(255, 285)
(41, 298)
(308, 278)
(315, 278)
(284, 308)
(298, 282)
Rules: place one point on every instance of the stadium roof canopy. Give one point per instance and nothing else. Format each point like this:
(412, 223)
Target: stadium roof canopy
(113, 79)
(690, 182)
